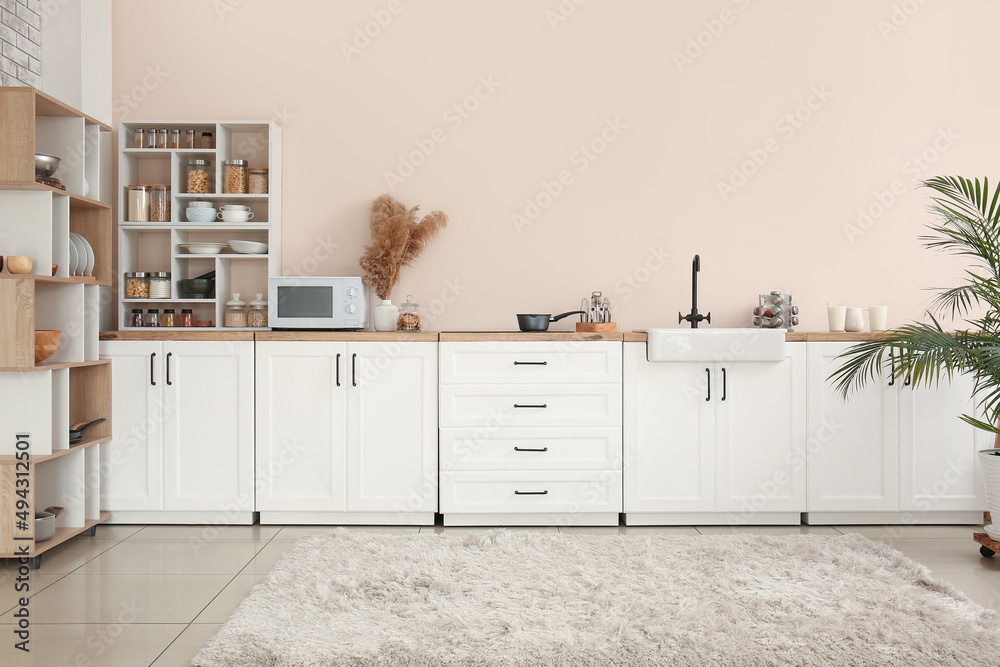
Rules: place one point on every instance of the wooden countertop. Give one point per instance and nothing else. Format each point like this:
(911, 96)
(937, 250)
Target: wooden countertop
(177, 333)
(794, 336)
(350, 336)
(477, 336)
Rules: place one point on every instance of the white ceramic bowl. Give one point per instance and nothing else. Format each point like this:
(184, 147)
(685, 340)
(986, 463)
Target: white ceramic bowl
(248, 247)
(202, 248)
(200, 204)
(200, 214)
(235, 216)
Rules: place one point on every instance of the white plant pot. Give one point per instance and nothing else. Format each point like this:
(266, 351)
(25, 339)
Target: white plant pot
(990, 465)
(385, 316)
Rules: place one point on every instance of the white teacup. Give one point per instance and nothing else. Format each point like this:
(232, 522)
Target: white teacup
(854, 319)
(235, 216)
(234, 208)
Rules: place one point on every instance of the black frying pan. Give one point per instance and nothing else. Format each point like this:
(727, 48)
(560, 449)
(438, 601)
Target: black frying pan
(541, 322)
(77, 430)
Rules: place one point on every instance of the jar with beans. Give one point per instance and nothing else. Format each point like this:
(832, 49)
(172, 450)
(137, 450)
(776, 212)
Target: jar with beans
(257, 180)
(236, 177)
(258, 312)
(138, 203)
(199, 176)
(159, 203)
(136, 319)
(137, 285)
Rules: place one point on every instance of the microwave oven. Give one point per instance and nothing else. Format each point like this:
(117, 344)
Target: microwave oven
(312, 302)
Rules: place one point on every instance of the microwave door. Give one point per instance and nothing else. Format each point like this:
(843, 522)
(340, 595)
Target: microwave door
(305, 305)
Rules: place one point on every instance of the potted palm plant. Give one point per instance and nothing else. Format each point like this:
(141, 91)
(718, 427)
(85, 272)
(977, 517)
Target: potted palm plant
(967, 224)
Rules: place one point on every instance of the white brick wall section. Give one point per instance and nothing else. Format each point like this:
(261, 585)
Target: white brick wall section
(20, 43)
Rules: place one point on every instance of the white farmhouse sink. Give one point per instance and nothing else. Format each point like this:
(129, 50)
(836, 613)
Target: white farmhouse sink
(708, 344)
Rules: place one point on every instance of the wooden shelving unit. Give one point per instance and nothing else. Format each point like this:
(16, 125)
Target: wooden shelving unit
(73, 385)
(154, 246)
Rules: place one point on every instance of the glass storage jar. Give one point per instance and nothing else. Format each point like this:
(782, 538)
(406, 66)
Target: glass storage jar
(236, 177)
(187, 317)
(199, 176)
(159, 203)
(138, 203)
(169, 319)
(236, 312)
(140, 138)
(409, 316)
(161, 138)
(137, 286)
(159, 285)
(151, 138)
(175, 138)
(153, 317)
(207, 140)
(136, 319)
(257, 177)
(189, 139)
(258, 312)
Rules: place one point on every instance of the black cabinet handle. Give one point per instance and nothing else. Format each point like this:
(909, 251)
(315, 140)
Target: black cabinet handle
(354, 376)
(169, 354)
(528, 449)
(531, 363)
(723, 384)
(531, 493)
(906, 383)
(151, 380)
(338, 369)
(892, 368)
(708, 374)
(543, 405)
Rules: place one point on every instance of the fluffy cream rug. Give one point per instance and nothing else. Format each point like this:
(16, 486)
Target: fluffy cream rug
(522, 598)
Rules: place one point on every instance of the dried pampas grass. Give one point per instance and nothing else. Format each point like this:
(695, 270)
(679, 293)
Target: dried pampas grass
(398, 238)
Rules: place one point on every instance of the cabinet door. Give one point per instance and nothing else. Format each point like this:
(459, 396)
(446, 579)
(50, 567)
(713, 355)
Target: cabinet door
(759, 428)
(851, 446)
(208, 390)
(937, 450)
(131, 462)
(392, 427)
(669, 434)
(302, 425)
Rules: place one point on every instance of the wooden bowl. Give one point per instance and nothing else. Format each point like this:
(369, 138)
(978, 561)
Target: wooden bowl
(18, 264)
(46, 343)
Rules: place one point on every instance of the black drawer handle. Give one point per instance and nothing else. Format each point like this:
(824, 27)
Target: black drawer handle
(338, 369)
(151, 380)
(528, 449)
(543, 405)
(532, 493)
(531, 363)
(169, 354)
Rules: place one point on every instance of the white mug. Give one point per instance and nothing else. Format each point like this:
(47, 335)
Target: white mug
(854, 319)
(877, 315)
(835, 313)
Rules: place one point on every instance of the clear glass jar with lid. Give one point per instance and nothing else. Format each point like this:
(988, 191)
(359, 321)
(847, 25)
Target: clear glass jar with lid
(236, 177)
(236, 312)
(153, 317)
(409, 316)
(199, 176)
(140, 138)
(151, 138)
(257, 177)
(169, 318)
(161, 138)
(258, 312)
(136, 319)
(189, 139)
(159, 285)
(138, 203)
(137, 286)
(159, 203)
(175, 138)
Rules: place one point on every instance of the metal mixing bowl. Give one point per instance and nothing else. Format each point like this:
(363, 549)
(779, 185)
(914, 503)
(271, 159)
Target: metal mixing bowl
(46, 165)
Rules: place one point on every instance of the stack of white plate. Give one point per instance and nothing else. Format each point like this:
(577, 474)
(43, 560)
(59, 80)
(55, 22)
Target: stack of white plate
(81, 256)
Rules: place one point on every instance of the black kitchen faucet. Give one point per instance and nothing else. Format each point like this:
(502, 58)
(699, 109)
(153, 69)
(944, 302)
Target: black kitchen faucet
(693, 317)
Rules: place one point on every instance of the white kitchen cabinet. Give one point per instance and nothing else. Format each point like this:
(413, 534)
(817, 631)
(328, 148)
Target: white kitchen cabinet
(891, 453)
(182, 450)
(347, 432)
(713, 442)
(531, 432)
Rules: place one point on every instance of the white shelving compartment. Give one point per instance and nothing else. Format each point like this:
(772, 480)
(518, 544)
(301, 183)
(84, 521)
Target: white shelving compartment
(156, 246)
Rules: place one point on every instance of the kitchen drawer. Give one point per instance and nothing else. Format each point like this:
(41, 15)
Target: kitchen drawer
(495, 406)
(574, 448)
(513, 492)
(548, 362)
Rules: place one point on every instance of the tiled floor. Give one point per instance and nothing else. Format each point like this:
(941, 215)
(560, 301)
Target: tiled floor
(153, 595)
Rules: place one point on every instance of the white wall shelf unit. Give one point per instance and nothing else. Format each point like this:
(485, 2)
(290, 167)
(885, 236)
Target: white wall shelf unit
(156, 246)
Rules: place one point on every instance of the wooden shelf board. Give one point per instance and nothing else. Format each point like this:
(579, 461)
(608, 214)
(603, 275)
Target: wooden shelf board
(140, 301)
(255, 226)
(55, 365)
(180, 333)
(221, 195)
(46, 105)
(62, 535)
(350, 336)
(8, 459)
(82, 280)
(75, 201)
(233, 255)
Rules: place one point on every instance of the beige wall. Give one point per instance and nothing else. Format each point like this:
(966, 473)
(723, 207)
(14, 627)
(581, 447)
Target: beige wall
(887, 81)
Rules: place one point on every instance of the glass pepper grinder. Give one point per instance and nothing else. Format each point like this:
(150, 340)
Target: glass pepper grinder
(409, 316)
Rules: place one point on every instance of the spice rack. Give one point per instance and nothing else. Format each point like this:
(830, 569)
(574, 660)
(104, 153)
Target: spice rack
(44, 399)
(157, 246)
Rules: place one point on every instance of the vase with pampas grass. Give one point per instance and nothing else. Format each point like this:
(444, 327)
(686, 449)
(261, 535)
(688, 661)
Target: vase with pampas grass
(398, 238)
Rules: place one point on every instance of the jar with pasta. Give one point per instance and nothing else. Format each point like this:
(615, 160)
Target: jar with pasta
(199, 176)
(159, 203)
(236, 177)
(138, 203)
(137, 285)
(257, 177)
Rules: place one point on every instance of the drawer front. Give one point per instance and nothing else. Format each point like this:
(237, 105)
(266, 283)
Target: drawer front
(545, 362)
(527, 492)
(525, 448)
(493, 407)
